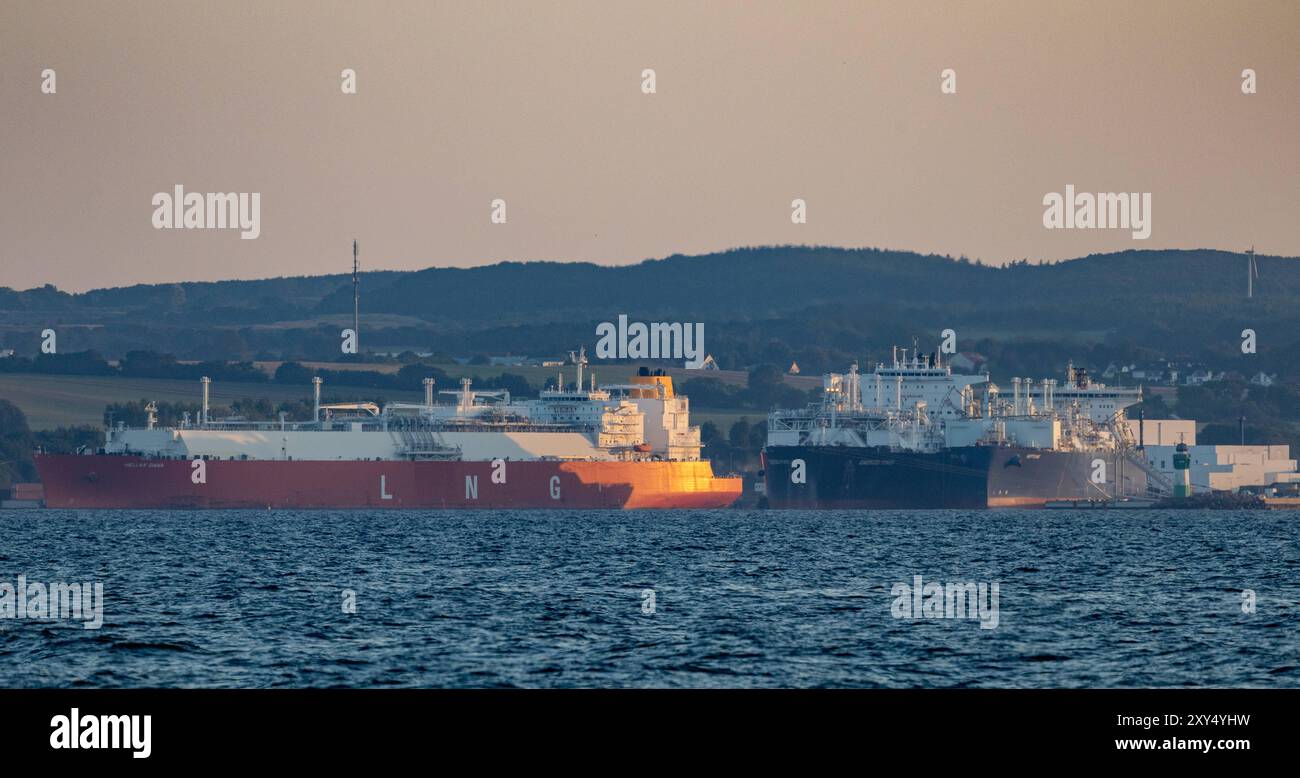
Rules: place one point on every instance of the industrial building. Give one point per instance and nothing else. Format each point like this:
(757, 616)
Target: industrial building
(1213, 467)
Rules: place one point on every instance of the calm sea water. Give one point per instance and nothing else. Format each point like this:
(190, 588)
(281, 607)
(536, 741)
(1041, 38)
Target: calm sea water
(789, 599)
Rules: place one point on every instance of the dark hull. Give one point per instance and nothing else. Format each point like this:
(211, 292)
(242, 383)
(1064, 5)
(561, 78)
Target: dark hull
(965, 477)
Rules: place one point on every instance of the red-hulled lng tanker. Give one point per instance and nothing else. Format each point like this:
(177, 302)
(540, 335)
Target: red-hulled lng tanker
(617, 446)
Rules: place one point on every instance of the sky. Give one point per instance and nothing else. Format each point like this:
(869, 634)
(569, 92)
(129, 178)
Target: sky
(541, 105)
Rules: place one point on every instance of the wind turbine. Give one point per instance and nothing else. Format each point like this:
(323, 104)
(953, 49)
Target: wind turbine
(1252, 272)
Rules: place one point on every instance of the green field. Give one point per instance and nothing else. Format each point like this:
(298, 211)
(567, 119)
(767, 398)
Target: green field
(723, 419)
(51, 401)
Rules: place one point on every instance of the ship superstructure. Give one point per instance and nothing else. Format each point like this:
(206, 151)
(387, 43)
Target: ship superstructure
(914, 433)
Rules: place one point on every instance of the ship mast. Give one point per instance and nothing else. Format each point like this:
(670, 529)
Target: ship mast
(579, 359)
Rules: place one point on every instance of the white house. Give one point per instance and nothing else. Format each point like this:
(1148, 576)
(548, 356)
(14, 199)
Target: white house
(1201, 376)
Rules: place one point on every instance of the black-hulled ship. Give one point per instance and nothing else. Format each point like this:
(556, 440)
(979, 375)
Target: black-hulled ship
(912, 434)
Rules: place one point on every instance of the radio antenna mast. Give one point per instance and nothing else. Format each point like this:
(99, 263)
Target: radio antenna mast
(1252, 272)
(356, 298)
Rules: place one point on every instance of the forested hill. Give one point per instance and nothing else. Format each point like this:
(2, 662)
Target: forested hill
(1164, 301)
(740, 283)
(764, 281)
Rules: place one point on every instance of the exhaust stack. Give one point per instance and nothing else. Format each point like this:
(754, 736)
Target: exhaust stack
(207, 382)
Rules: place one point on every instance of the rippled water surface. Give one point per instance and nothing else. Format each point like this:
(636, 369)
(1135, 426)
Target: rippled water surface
(250, 599)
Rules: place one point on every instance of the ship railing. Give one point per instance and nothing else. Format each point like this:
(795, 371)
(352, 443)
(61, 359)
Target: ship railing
(841, 422)
(244, 426)
(512, 427)
(423, 444)
(487, 425)
(778, 418)
(436, 454)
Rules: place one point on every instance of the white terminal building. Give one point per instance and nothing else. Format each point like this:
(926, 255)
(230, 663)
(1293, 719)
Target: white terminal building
(1214, 467)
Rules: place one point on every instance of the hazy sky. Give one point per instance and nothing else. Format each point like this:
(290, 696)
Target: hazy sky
(540, 104)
